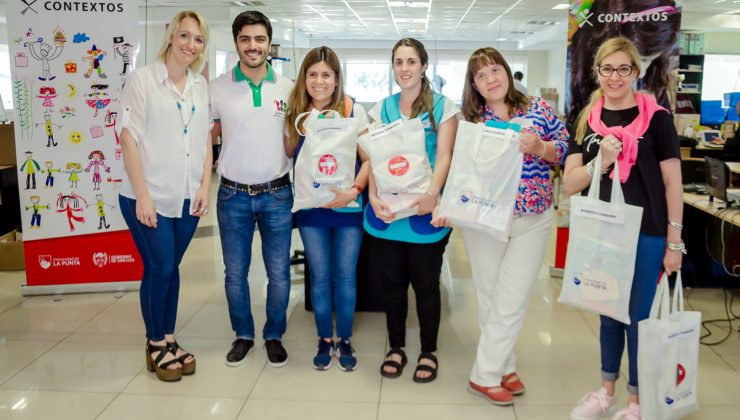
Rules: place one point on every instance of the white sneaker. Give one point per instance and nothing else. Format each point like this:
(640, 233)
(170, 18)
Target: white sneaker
(632, 412)
(594, 405)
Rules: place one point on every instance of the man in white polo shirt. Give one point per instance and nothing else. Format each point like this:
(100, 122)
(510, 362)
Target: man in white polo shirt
(248, 106)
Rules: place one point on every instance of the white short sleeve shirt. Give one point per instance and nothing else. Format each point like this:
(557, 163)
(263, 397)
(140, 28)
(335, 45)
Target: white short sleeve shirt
(252, 121)
(171, 130)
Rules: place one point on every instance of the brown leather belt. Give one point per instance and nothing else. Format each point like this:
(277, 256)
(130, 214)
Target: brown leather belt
(255, 189)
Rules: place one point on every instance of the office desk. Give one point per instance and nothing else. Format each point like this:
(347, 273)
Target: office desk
(700, 150)
(712, 236)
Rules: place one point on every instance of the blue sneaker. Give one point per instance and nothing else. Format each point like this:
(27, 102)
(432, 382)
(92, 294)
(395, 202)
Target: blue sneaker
(346, 355)
(324, 352)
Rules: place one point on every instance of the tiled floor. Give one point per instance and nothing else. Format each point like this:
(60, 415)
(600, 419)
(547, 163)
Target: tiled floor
(82, 358)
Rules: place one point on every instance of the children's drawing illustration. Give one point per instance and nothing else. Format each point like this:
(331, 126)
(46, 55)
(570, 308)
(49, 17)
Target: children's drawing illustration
(97, 160)
(94, 57)
(97, 98)
(36, 215)
(70, 204)
(73, 169)
(49, 170)
(101, 210)
(30, 166)
(49, 126)
(111, 119)
(45, 53)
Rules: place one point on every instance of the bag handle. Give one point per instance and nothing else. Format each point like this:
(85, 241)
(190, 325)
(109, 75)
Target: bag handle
(487, 160)
(677, 305)
(315, 114)
(617, 196)
(299, 122)
(660, 301)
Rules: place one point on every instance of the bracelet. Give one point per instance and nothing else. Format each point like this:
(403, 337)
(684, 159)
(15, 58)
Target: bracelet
(590, 168)
(680, 246)
(357, 187)
(675, 225)
(544, 149)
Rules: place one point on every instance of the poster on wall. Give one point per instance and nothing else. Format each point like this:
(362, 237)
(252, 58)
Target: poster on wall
(653, 25)
(69, 61)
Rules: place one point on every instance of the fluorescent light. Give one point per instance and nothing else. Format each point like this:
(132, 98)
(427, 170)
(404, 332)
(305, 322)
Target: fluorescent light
(560, 6)
(500, 39)
(408, 4)
(505, 12)
(420, 20)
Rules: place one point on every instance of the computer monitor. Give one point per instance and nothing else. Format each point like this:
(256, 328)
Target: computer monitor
(708, 135)
(718, 174)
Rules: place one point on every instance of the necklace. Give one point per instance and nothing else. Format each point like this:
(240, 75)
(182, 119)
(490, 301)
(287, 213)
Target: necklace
(185, 124)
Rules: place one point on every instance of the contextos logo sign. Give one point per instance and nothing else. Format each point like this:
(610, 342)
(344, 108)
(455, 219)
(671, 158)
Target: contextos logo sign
(28, 6)
(656, 14)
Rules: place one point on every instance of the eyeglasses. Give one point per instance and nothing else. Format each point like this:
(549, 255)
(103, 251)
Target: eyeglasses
(624, 70)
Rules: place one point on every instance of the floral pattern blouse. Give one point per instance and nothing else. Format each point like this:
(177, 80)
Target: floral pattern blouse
(535, 187)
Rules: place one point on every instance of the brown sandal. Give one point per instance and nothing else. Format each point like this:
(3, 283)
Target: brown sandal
(426, 368)
(162, 368)
(188, 368)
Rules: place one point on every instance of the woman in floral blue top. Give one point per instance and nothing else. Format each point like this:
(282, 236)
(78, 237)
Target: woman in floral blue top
(504, 272)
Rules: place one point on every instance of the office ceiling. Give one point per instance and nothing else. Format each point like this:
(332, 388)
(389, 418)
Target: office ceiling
(500, 20)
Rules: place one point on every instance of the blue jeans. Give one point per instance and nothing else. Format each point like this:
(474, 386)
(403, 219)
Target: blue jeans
(648, 266)
(332, 259)
(237, 214)
(161, 251)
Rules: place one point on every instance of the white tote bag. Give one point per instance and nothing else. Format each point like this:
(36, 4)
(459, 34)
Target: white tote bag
(600, 261)
(399, 162)
(327, 159)
(484, 178)
(668, 357)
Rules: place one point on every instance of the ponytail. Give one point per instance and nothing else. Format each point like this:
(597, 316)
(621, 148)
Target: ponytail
(424, 102)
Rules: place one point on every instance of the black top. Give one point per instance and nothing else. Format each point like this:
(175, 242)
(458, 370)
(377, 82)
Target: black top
(644, 187)
(732, 146)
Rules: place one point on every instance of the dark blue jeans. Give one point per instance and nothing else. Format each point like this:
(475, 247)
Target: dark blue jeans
(648, 266)
(237, 214)
(332, 258)
(161, 251)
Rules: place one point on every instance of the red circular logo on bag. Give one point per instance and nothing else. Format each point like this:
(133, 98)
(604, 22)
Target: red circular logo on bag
(398, 165)
(328, 165)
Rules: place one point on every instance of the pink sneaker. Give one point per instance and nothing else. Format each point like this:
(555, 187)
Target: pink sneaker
(594, 405)
(632, 412)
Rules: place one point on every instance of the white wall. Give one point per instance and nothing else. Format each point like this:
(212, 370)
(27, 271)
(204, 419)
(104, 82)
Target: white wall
(722, 43)
(556, 73)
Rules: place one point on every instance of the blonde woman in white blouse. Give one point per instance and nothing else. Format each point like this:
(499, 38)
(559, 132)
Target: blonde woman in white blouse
(167, 155)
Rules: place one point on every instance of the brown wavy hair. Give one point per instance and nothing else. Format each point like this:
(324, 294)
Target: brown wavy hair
(425, 101)
(299, 100)
(473, 101)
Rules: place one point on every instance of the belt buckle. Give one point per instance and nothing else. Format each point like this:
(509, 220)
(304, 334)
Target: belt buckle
(251, 191)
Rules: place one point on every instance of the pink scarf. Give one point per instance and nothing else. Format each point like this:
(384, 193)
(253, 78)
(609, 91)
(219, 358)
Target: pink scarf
(646, 106)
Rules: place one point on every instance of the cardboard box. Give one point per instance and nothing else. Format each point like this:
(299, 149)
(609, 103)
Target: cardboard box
(7, 145)
(11, 252)
(686, 120)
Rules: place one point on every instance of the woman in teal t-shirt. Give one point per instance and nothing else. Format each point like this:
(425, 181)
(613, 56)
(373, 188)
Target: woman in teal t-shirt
(410, 249)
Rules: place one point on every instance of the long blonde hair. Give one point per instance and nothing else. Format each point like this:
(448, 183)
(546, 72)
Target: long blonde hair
(299, 101)
(609, 47)
(473, 101)
(425, 101)
(173, 26)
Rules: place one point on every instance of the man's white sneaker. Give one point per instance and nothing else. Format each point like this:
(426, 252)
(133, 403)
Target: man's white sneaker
(632, 412)
(594, 405)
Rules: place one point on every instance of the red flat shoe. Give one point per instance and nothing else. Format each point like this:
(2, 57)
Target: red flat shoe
(512, 383)
(496, 395)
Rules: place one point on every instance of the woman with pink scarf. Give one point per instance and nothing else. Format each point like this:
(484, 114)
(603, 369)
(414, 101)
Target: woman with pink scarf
(631, 130)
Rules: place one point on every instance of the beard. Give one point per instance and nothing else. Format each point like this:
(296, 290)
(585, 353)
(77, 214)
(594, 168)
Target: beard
(245, 60)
